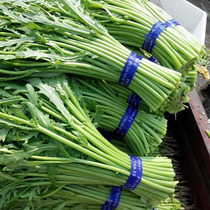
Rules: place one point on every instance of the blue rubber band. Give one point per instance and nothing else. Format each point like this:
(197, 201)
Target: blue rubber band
(127, 120)
(136, 173)
(129, 69)
(171, 23)
(156, 30)
(150, 38)
(153, 59)
(113, 201)
(134, 100)
(108, 139)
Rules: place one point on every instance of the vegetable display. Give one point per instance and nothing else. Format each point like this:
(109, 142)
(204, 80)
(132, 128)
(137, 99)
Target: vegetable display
(59, 37)
(75, 71)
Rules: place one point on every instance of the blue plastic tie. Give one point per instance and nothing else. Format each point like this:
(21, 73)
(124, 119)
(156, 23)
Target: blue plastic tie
(136, 173)
(134, 100)
(129, 69)
(113, 201)
(156, 30)
(153, 59)
(127, 120)
(151, 37)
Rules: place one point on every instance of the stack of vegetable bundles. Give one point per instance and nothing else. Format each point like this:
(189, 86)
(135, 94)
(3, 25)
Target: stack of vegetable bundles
(52, 155)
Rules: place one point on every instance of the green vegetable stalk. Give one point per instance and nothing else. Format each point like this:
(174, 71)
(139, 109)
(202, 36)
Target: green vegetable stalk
(172, 107)
(82, 197)
(29, 178)
(130, 20)
(107, 110)
(50, 108)
(61, 37)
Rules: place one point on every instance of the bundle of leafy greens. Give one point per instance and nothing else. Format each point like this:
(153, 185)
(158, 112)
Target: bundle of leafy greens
(38, 176)
(129, 21)
(107, 110)
(79, 197)
(35, 179)
(51, 110)
(59, 36)
(177, 105)
(163, 16)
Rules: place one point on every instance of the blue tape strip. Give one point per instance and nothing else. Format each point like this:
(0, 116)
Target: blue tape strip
(150, 38)
(156, 30)
(108, 139)
(113, 201)
(136, 173)
(153, 59)
(127, 120)
(129, 69)
(171, 23)
(134, 100)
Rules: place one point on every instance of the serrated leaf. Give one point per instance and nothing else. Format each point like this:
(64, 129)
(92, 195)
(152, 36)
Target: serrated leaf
(39, 117)
(32, 95)
(53, 96)
(13, 124)
(3, 133)
(16, 42)
(76, 7)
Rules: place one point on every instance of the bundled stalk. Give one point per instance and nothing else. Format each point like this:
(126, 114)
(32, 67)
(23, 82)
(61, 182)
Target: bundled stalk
(32, 178)
(50, 107)
(179, 97)
(129, 21)
(49, 180)
(78, 197)
(107, 110)
(156, 11)
(83, 197)
(182, 198)
(126, 95)
(48, 36)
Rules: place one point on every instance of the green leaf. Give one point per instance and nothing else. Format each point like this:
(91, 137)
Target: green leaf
(51, 170)
(14, 124)
(32, 95)
(53, 96)
(16, 42)
(39, 117)
(3, 133)
(76, 7)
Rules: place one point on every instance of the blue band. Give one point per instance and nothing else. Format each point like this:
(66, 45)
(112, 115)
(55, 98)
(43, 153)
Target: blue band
(150, 38)
(136, 173)
(153, 208)
(127, 120)
(129, 69)
(171, 23)
(153, 59)
(113, 201)
(156, 30)
(108, 139)
(134, 100)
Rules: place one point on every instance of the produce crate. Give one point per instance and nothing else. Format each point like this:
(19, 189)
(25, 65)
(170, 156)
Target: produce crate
(189, 127)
